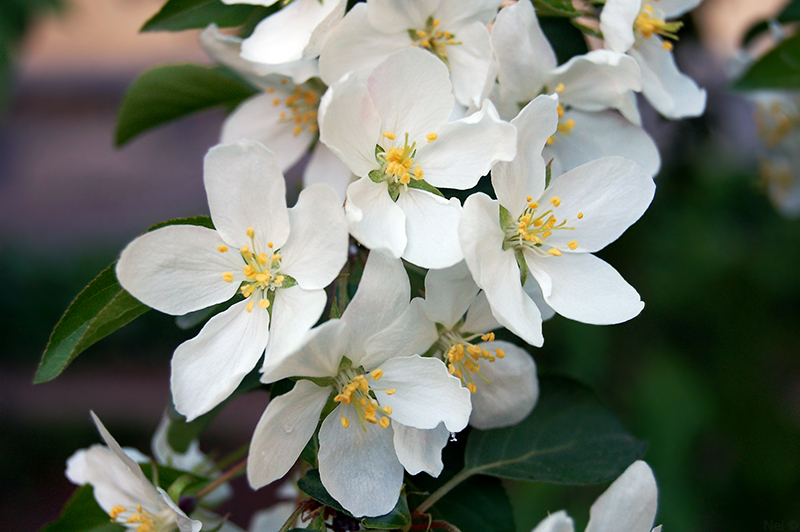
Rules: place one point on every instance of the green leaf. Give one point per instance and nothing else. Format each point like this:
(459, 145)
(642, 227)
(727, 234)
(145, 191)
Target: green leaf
(778, 69)
(100, 309)
(523, 265)
(478, 505)
(168, 92)
(570, 438)
(421, 184)
(179, 15)
(312, 486)
(791, 13)
(82, 514)
(555, 8)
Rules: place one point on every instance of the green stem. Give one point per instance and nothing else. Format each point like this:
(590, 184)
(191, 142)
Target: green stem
(444, 490)
(232, 472)
(293, 518)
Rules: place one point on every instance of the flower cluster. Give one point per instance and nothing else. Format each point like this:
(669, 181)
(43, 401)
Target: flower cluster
(400, 104)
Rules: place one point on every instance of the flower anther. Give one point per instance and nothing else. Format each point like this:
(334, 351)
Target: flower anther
(533, 227)
(564, 127)
(648, 23)
(357, 388)
(397, 165)
(302, 106)
(463, 358)
(141, 520)
(433, 38)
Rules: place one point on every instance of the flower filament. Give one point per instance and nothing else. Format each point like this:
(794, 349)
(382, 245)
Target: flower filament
(463, 357)
(302, 106)
(142, 520)
(354, 389)
(433, 39)
(647, 24)
(260, 273)
(534, 226)
(564, 127)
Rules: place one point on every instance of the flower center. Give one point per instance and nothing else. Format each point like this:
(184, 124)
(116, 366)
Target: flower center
(301, 107)
(433, 39)
(142, 520)
(354, 389)
(774, 122)
(397, 164)
(463, 357)
(647, 23)
(534, 226)
(260, 273)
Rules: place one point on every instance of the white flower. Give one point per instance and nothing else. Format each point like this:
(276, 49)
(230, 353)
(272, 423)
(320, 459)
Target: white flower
(393, 133)
(452, 30)
(629, 504)
(587, 85)
(294, 33)
(387, 403)
(548, 234)
(279, 259)
(637, 27)
(500, 375)
(122, 490)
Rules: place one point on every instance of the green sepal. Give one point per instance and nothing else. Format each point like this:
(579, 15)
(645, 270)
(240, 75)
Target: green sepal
(335, 313)
(505, 217)
(288, 281)
(82, 514)
(523, 265)
(376, 176)
(413, 34)
(421, 184)
(177, 488)
(394, 192)
(345, 363)
(548, 173)
(378, 150)
(168, 92)
(179, 15)
(556, 8)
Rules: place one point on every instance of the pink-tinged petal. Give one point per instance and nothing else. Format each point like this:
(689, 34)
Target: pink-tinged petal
(524, 54)
(629, 503)
(598, 135)
(512, 392)
(616, 23)
(483, 135)
(425, 393)
(294, 311)
(412, 333)
(676, 8)
(448, 294)
(382, 296)
(585, 288)
(259, 119)
(209, 367)
(411, 92)
(283, 36)
(470, 63)
(598, 80)
(525, 175)
(479, 231)
(316, 249)
(672, 93)
(326, 168)
(419, 449)
(389, 16)
(283, 431)
(320, 355)
(358, 466)
(349, 125)
(556, 522)
(178, 269)
(431, 228)
(245, 189)
(355, 46)
(480, 319)
(612, 193)
(374, 219)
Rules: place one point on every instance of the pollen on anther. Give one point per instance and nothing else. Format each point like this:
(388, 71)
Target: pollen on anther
(573, 244)
(222, 248)
(377, 374)
(250, 306)
(666, 45)
(263, 303)
(227, 277)
(345, 423)
(384, 422)
(389, 135)
(556, 201)
(390, 391)
(276, 102)
(554, 252)
(431, 137)
(559, 88)
(269, 245)
(250, 232)
(580, 216)
(488, 337)
(471, 387)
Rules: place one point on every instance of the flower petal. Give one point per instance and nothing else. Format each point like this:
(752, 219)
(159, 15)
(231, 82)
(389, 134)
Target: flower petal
(419, 449)
(448, 294)
(556, 522)
(245, 189)
(349, 125)
(470, 63)
(182, 520)
(318, 357)
(431, 229)
(283, 431)
(412, 333)
(317, 246)
(629, 503)
(325, 167)
(358, 466)
(483, 135)
(259, 119)
(178, 269)
(411, 91)
(585, 288)
(525, 175)
(425, 393)
(388, 15)
(294, 311)
(209, 367)
(672, 93)
(616, 24)
(676, 8)
(612, 193)
(479, 316)
(512, 393)
(374, 219)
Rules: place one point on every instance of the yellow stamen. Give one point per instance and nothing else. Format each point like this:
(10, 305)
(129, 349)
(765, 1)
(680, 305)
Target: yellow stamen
(556, 201)
(488, 337)
(573, 244)
(500, 353)
(580, 216)
(263, 303)
(384, 422)
(345, 422)
(666, 45)
(431, 137)
(471, 387)
(559, 88)
(250, 306)
(390, 391)
(554, 252)
(389, 135)
(227, 277)
(377, 374)
(222, 248)
(115, 511)
(263, 258)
